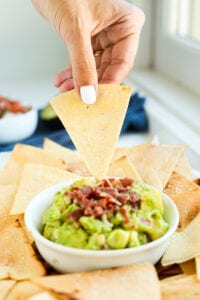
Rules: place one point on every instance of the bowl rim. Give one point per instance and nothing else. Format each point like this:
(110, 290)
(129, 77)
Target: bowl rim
(39, 238)
(17, 116)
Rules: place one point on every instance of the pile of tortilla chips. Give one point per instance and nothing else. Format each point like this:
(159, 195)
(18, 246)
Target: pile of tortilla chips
(94, 130)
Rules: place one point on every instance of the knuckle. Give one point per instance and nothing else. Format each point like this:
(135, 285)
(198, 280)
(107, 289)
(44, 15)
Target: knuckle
(137, 16)
(142, 17)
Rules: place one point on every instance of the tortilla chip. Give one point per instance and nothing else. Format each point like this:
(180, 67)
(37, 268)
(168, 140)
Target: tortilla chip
(172, 278)
(5, 287)
(118, 283)
(155, 163)
(27, 232)
(188, 267)
(23, 290)
(36, 178)
(78, 168)
(123, 168)
(186, 196)
(184, 245)
(94, 129)
(120, 152)
(178, 184)
(188, 205)
(23, 154)
(43, 296)
(69, 156)
(155, 140)
(197, 265)
(183, 167)
(182, 288)
(7, 194)
(17, 258)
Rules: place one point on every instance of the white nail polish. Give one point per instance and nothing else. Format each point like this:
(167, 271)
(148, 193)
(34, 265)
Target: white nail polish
(88, 94)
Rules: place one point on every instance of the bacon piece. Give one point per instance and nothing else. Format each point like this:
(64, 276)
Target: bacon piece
(123, 198)
(127, 182)
(98, 211)
(75, 214)
(109, 195)
(125, 215)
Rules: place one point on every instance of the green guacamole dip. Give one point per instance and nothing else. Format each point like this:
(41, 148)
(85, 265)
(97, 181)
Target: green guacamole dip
(108, 214)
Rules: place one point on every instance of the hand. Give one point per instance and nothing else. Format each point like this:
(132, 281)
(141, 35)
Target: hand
(102, 38)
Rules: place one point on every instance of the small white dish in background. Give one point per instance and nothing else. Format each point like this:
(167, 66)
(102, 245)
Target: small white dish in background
(65, 259)
(15, 127)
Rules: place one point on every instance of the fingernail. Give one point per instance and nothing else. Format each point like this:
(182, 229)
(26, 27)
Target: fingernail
(88, 94)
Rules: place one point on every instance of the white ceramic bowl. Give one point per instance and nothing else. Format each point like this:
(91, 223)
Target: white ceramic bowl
(66, 259)
(15, 127)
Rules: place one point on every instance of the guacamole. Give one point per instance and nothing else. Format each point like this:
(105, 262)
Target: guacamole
(107, 214)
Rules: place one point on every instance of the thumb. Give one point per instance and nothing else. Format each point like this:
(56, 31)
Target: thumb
(83, 66)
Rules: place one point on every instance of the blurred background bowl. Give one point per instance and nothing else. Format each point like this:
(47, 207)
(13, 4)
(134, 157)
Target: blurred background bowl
(15, 127)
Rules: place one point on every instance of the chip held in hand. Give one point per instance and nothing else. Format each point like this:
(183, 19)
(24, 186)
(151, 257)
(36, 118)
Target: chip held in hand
(94, 129)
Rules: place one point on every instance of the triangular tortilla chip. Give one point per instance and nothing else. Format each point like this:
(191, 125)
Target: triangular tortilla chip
(186, 196)
(120, 152)
(17, 258)
(5, 287)
(177, 184)
(155, 163)
(23, 290)
(128, 282)
(184, 245)
(78, 168)
(69, 156)
(180, 288)
(73, 160)
(183, 167)
(7, 194)
(22, 154)
(123, 168)
(94, 129)
(34, 179)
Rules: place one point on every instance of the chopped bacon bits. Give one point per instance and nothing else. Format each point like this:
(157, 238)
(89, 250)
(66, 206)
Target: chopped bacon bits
(76, 214)
(125, 214)
(108, 195)
(98, 211)
(126, 182)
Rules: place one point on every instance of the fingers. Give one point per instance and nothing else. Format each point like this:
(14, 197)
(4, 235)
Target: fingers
(104, 63)
(119, 43)
(125, 44)
(66, 85)
(121, 60)
(64, 79)
(83, 66)
(62, 76)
